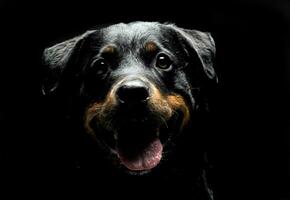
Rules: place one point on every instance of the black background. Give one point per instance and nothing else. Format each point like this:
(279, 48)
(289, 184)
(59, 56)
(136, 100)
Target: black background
(250, 148)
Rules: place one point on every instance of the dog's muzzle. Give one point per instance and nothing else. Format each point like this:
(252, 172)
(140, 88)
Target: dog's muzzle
(136, 120)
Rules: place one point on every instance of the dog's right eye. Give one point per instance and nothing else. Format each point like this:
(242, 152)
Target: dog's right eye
(163, 61)
(100, 66)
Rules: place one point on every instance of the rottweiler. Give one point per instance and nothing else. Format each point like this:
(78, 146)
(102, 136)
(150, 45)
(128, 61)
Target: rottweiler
(140, 94)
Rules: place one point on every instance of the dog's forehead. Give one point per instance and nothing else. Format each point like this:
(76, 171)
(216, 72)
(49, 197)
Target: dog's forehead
(136, 32)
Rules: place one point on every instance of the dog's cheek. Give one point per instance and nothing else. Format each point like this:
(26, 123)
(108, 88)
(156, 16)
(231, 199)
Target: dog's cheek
(177, 103)
(91, 114)
(158, 104)
(100, 112)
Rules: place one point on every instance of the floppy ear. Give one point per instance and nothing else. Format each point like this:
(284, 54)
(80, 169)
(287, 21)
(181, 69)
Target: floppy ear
(58, 58)
(204, 46)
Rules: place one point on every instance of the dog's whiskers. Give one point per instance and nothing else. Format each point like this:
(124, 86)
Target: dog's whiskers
(164, 122)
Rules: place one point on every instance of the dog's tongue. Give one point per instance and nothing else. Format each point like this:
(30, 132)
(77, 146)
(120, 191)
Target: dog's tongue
(147, 159)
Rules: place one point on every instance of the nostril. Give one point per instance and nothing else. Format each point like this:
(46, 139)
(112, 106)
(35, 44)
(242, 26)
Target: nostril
(140, 93)
(132, 94)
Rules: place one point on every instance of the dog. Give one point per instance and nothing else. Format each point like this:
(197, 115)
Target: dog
(139, 92)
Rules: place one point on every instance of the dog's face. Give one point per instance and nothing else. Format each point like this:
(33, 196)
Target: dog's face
(139, 83)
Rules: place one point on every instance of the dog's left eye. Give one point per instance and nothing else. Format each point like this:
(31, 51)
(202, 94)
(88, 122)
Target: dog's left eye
(100, 66)
(163, 61)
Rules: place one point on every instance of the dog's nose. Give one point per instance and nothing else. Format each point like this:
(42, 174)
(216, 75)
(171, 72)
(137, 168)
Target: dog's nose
(133, 92)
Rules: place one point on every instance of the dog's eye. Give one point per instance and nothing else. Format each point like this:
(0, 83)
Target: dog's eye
(100, 66)
(163, 61)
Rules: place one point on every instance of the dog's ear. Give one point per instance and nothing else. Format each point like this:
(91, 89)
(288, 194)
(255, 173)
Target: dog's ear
(204, 46)
(58, 58)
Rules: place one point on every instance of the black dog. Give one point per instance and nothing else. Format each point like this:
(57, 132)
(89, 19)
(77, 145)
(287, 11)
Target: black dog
(139, 91)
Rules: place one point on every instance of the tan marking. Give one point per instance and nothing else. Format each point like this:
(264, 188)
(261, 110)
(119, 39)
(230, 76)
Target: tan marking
(109, 49)
(166, 106)
(150, 47)
(98, 110)
(176, 102)
(159, 104)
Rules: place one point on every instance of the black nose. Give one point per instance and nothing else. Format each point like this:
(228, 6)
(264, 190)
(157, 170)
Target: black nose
(133, 92)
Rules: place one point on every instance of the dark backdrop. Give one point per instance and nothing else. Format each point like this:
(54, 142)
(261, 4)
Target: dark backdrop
(250, 147)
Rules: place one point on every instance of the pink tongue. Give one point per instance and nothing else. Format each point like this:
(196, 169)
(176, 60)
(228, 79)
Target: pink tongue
(148, 159)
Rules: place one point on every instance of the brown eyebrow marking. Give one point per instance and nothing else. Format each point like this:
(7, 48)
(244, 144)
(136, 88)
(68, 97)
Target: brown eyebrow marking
(151, 47)
(109, 49)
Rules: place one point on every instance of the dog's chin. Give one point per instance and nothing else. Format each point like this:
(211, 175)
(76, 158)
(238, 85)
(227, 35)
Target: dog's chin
(137, 173)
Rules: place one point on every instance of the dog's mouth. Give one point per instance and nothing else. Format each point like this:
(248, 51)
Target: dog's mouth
(139, 145)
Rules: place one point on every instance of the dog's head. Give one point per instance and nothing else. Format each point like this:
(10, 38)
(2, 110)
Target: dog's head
(139, 82)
